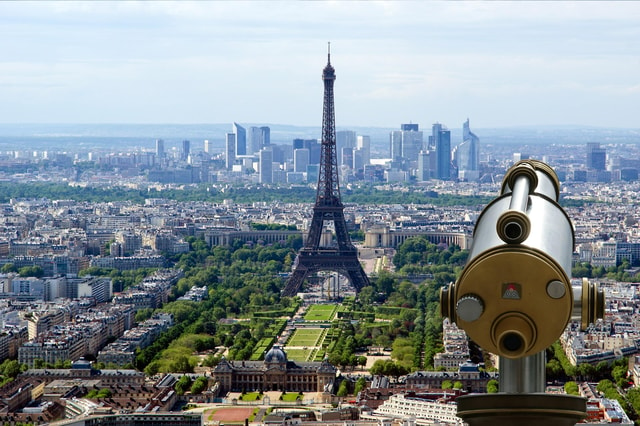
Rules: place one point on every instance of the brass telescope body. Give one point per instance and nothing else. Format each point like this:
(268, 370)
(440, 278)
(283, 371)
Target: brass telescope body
(514, 297)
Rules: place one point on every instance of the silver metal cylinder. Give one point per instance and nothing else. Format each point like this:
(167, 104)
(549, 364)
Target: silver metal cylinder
(523, 375)
(520, 194)
(550, 231)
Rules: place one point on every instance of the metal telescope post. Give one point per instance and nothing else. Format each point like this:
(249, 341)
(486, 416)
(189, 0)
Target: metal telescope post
(515, 298)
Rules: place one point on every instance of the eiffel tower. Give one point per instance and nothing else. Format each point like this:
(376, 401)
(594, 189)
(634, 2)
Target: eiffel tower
(313, 258)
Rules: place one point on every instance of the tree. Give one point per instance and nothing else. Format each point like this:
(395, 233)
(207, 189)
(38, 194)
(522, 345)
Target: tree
(183, 385)
(362, 361)
(554, 369)
(199, 385)
(104, 393)
(182, 365)
(152, 369)
(361, 384)
(343, 389)
(7, 268)
(571, 388)
(31, 271)
(11, 368)
(492, 386)
(446, 384)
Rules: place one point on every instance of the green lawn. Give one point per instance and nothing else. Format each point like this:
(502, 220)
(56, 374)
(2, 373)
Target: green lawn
(298, 354)
(307, 337)
(320, 312)
(290, 396)
(251, 396)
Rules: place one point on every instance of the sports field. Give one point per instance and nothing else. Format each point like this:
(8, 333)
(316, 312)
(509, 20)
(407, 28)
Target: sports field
(232, 415)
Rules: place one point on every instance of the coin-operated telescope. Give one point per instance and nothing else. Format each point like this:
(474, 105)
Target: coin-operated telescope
(514, 297)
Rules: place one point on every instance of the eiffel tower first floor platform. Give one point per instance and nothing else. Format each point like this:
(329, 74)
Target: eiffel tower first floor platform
(311, 261)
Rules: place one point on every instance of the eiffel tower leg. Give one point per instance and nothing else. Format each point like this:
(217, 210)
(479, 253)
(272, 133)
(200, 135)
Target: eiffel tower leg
(294, 283)
(358, 278)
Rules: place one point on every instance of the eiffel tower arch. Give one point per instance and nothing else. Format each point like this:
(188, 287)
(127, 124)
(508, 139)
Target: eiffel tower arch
(313, 257)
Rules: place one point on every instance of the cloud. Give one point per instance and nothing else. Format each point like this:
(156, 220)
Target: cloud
(261, 61)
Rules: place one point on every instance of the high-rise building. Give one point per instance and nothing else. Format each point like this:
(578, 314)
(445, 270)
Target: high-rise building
(363, 143)
(467, 155)
(265, 131)
(254, 140)
(395, 145)
(259, 137)
(358, 160)
(596, 156)
(410, 127)
(300, 159)
(207, 146)
(266, 165)
(424, 166)
(405, 144)
(411, 145)
(186, 149)
(230, 150)
(347, 157)
(312, 145)
(345, 139)
(160, 148)
(440, 140)
(241, 139)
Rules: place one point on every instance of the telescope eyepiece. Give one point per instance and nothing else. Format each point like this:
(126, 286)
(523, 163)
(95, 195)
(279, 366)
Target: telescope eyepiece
(513, 230)
(513, 227)
(512, 342)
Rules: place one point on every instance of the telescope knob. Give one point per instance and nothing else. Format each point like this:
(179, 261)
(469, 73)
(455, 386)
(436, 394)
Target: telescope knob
(469, 308)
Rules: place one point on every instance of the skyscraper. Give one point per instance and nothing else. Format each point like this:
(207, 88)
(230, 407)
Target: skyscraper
(411, 143)
(259, 137)
(241, 139)
(265, 131)
(405, 144)
(596, 156)
(467, 155)
(344, 139)
(424, 166)
(347, 157)
(160, 148)
(230, 150)
(266, 165)
(207, 146)
(312, 145)
(395, 145)
(300, 159)
(440, 140)
(409, 127)
(363, 144)
(186, 149)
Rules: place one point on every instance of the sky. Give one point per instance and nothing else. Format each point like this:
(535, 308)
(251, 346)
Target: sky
(500, 64)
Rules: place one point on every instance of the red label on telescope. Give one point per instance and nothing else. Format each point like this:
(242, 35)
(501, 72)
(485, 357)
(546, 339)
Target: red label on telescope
(511, 291)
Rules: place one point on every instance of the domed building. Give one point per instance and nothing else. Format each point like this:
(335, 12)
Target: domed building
(275, 373)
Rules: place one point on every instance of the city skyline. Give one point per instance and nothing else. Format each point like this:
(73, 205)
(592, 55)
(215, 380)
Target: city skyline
(501, 63)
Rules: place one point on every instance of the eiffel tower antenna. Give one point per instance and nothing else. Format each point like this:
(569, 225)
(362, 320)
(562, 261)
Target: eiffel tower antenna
(312, 257)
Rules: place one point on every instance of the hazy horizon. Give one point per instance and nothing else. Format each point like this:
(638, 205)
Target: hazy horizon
(105, 136)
